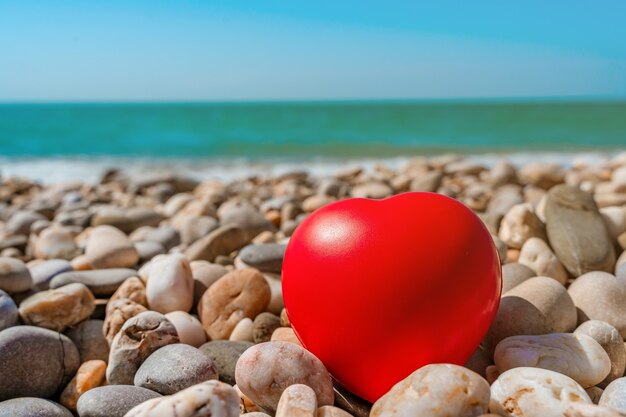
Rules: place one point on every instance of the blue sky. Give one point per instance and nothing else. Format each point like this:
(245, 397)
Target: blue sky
(274, 50)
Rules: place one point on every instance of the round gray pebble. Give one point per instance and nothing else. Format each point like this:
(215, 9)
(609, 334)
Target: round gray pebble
(225, 353)
(32, 407)
(112, 400)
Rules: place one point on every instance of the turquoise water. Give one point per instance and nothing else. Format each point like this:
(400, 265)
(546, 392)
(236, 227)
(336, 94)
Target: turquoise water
(307, 129)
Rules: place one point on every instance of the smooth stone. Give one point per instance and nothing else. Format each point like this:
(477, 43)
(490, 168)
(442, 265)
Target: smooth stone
(210, 399)
(189, 328)
(594, 393)
(59, 308)
(297, 401)
(224, 354)
(521, 392)
(479, 361)
(168, 237)
(577, 232)
(316, 202)
(576, 355)
(615, 220)
(519, 224)
(537, 255)
(330, 411)
(35, 362)
(173, 368)
(542, 175)
(14, 275)
(600, 296)
(439, 390)
(503, 199)
(112, 400)
(242, 331)
(44, 272)
(276, 303)
(139, 337)
(375, 190)
(20, 222)
(101, 282)
(221, 241)
(108, 247)
(285, 334)
(134, 289)
(89, 375)
(89, 340)
(126, 220)
(220, 311)
(515, 273)
(590, 410)
(538, 305)
(32, 407)
(9, 314)
(195, 228)
(55, 242)
(245, 216)
(170, 284)
(614, 395)
(611, 341)
(265, 370)
(117, 313)
(204, 275)
(267, 257)
(148, 249)
(263, 327)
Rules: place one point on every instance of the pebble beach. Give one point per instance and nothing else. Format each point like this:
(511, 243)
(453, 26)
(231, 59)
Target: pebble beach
(159, 295)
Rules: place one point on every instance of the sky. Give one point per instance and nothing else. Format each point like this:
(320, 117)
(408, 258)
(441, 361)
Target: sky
(310, 50)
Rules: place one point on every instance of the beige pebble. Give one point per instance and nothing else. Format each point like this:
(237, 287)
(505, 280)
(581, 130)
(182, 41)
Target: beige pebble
(594, 393)
(297, 401)
(520, 224)
(284, 318)
(117, 312)
(330, 411)
(133, 289)
(537, 255)
(189, 328)
(513, 274)
(89, 375)
(615, 220)
(108, 247)
(170, 284)
(242, 331)
(55, 243)
(590, 410)
(285, 334)
(611, 341)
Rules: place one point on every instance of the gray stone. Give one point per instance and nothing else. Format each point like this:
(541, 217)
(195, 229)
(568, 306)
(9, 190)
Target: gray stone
(35, 362)
(194, 228)
(263, 327)
(173, 368)
(112, 400)
(267, 257)
(224, 354)
(221, 241)
(514, 274)
(9, 315)
(148, 249)
(101, 282)
(43, 272)
(89, 340)
(245, 216)
(19, 223)
(167, 236)
(32, 407)
(14, 275)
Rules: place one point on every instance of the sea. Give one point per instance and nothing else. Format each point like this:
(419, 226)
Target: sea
(53, 142)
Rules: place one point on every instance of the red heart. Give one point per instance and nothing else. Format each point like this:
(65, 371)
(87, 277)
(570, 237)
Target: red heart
(377, 289)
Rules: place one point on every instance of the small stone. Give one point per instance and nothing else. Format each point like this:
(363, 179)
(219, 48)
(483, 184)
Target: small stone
(89, 340)
(285, 334)
(108, 247)
(55, 242)
(330, 411)
(167, 237)
(32, 407)
(112, 400)
(515, 273)
(133, 289)
(173, 368)
(576, 355)
(35, 362)
(102, 282)
(263, 327)
(375, 190)
(267, 257)
(89, 375)
(611, 341)
(615, 220)
(210, 399)
(189, 328)
(224, 354)
(519, 224)
(242, 331)
(126, 220)
(148, 249)
(59, 308)
(9, 314)
(542, 175)
(297, 401)
(316, 202)
(614, 395)
(600, 296)
(245, 216)
(276, 303)
(284, 318)
(439, 390)
(221, 241)
(20, 222)
(118, 312)
(220, 312)
(14, 275)
(43, 272)
(428, 182)
(170, 284)
(139, 337)
(204, 275)
(590, 410)
(521, 392)
(577, 232)
(537, 255)
(195, 228)
(265, 370)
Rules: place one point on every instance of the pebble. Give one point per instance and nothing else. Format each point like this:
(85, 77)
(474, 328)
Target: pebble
(118, 312)
(267, 257)
(210, 399)
(59, 308)
(89, 375)
(523, 392)
(263, 327)
(330, 411)
(285, 334)
(594, 393)
(245, 216)
(14, 275)
(112, 400)
(133, 289)
(615, 220)
(188, 327)
(148, 249)
(167, 237)
(519, 224)
(221, 241)
(195, 228)
(297, 401)
(590, 410)
(439, 390)
(611, 341)
(614, 395)
(220, 311)
(20, 222)
(9, 314)
(576, 355)
(538, 305)
(515, 273)
(89, 340)
(102, 282)
(35, 362)
(542, 175)
(108, 247)
(276, 303)
(43, 272)
(374, 190)
(138, 338)
(265, 370)
(173, 368)
(125, 220)
(32, 407)
(242, 331)
(537, 255)
(600, 296)
(577, 232)
(204, 275)
(170, 284)
(224, 354)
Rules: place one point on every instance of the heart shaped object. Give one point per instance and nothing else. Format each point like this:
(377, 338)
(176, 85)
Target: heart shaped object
(379, 288)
